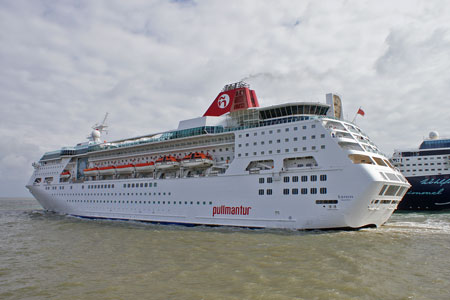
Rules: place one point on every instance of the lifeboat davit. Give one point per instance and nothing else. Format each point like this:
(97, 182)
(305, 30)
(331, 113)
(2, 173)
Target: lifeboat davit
(91, 172)
(108, 170)
(167, 162)
(65, 175)
(197, 160)
(145, 167)
(125, 169)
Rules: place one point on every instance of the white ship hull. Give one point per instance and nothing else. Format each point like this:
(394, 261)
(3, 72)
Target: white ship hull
(293, 172)
(220, 195)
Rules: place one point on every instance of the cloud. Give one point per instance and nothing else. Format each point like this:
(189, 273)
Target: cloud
(152, 63)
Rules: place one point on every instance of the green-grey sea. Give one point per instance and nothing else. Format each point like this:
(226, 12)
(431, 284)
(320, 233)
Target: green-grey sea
(49, 256)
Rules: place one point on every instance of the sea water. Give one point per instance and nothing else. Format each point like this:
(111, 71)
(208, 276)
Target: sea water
(49, 256)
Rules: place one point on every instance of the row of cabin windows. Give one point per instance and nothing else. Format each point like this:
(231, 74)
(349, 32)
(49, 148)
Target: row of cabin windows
(425, 164)
(142, 202)
(100, 186)
(142, 184)
(313, 148)
(111, 194)
(303, 178)
(295, 191)
(278, 131)
(421, 170)
(295, 139)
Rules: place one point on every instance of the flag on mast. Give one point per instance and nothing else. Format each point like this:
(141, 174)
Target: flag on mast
(359, 112)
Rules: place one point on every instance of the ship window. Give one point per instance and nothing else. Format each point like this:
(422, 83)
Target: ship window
(287, 129)
(360, 159)
(270, 131)
(278, 141)
(269, 179)
(294, 191)
(278, 130)
(261, 192)
(286, 179)
(141, 185)
(313, 137)
(294, 178)
(304, 138)
(304, 191)
(285, 191)
(146, 184)
(278, 151)
(295, 128)
(261, 180)
(382, 190)
(295, 139)
(304, 127)
(313, 191)
(269, 192)
(323, 190)
(304, 148)
(313, 148)
(155, 184)
(313, 177)
(129, 185)
(255, 134)
(304, 178)
(392, 190)
(323, 177)
(322, 136)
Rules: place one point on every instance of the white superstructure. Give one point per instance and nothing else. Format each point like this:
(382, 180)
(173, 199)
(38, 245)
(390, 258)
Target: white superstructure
(296, 165)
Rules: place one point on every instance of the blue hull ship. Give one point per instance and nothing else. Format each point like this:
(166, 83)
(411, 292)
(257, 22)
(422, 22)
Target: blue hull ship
(427, 170)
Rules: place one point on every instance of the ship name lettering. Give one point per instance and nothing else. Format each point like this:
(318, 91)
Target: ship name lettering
(231, 210)
(427, 193)
(440, 182)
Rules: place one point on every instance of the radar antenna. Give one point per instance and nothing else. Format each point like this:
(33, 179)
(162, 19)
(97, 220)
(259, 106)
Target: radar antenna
(102, 126)
(98, 130)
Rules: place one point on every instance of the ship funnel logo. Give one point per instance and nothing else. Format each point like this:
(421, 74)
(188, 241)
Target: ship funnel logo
(223, 101)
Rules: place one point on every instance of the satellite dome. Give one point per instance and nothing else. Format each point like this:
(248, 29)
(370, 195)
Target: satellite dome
(95, 134)
(433, 135)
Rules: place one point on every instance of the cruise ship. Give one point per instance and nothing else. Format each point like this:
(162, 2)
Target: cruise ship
(427, 170)
(297, 165)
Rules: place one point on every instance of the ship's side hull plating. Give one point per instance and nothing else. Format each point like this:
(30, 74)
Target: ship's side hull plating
(427, 193)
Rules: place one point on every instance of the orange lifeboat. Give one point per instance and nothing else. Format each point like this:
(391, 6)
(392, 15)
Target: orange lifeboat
(145, 167)
(125, 169)
(91, 172)
(108, 170)
(167, 162)
(65, 175)
(197, 160)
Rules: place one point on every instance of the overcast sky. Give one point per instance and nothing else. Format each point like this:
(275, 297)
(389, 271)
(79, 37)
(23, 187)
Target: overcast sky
(63, 64)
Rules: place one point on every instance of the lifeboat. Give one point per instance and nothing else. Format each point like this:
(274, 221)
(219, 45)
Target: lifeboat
(65, 175)
(197, 160)
(125, 169)
(145, 167)
(108, 170)
(91, 172)
(167, 162)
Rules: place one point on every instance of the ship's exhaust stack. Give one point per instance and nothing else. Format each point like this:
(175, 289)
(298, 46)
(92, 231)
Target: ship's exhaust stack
(235, 96)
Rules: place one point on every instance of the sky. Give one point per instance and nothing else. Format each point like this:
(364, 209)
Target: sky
(150, 64)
